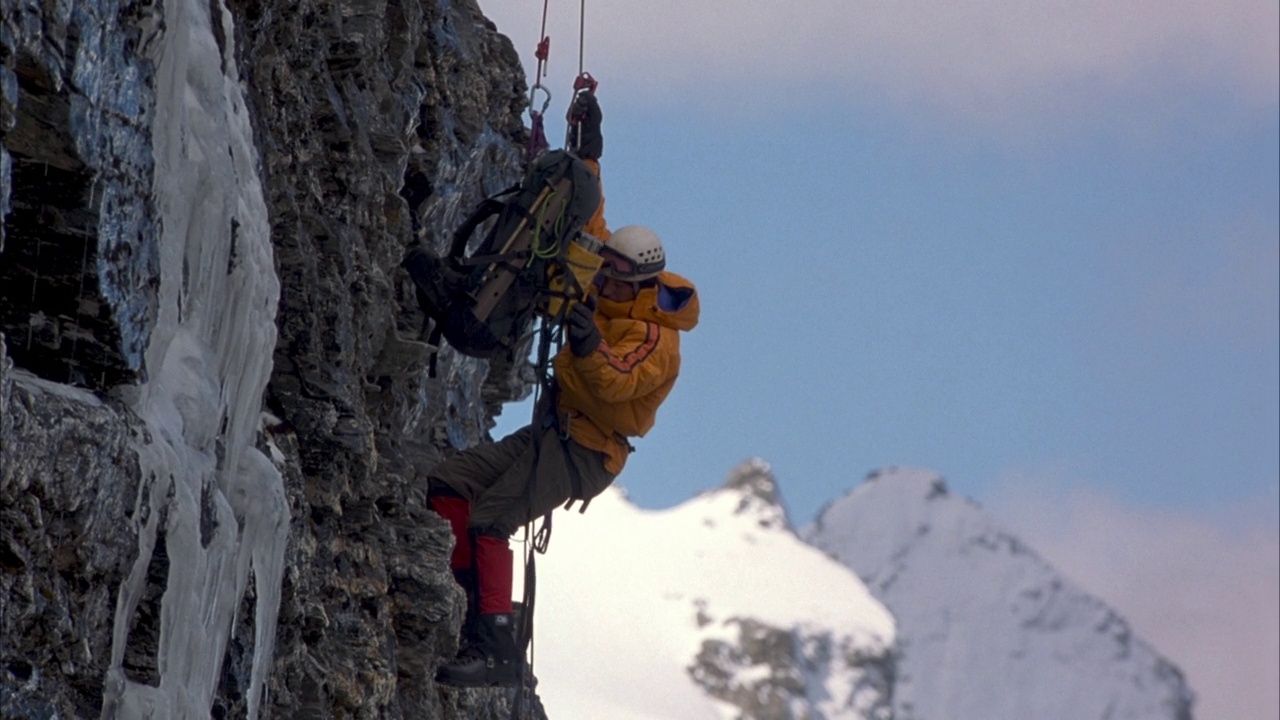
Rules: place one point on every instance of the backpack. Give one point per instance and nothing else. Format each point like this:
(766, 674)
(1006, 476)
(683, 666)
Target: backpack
(533, 260)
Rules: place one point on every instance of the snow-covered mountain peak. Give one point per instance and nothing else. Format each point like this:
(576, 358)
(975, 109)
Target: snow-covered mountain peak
(987, 629)
(721, 616)
(753, 491)
(910, 481)
(903, 496)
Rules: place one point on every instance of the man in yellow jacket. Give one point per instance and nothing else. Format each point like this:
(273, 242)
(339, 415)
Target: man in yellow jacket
(621, 361)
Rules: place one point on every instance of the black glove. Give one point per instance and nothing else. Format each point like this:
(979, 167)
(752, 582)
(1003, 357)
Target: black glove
(585, 138)
(584, 336)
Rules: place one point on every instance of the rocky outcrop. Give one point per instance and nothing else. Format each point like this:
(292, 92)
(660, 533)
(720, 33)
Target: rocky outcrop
(765, 671)
(754, 483)
(375, 124)
(68, 486)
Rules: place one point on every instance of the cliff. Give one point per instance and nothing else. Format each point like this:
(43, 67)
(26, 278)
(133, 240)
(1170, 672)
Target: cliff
(214, 419)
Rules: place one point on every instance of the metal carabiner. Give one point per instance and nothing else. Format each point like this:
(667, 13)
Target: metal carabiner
(537, 142)
(533, 91)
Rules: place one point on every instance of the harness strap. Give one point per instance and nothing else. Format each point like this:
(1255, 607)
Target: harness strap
(494, 258)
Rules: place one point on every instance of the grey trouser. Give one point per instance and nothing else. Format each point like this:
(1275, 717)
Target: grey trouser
(510, 483)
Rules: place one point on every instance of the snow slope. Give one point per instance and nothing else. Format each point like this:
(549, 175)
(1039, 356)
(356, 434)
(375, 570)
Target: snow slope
(630, 600)
(987, 629)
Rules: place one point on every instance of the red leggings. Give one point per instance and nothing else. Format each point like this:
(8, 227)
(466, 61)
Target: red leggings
(489, 556)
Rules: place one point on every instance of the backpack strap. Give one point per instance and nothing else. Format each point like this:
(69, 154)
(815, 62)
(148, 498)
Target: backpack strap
(488, 208)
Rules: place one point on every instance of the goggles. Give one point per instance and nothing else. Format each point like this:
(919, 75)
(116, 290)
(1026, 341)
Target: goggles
(621, 267)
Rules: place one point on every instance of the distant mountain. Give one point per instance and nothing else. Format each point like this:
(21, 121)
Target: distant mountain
(987, 630)
(713, 609)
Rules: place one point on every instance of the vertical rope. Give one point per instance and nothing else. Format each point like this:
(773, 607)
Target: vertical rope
(582, 33)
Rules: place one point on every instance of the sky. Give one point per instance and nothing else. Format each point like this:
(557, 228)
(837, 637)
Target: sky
(1034, 247)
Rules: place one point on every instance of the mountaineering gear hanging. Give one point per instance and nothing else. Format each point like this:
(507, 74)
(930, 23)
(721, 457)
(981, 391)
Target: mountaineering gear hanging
(532, 259)
(537, 142)
(540, 257)
(585, 118)
(577, 135)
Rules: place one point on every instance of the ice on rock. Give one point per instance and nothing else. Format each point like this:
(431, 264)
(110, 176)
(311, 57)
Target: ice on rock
(221, 501)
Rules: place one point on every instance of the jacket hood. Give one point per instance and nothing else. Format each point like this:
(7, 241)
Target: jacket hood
(673, 303)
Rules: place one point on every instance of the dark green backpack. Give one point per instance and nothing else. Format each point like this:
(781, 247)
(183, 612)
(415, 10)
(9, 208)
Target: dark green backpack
(484, 303)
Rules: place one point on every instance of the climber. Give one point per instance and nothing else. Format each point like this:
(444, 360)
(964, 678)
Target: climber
(619, 364)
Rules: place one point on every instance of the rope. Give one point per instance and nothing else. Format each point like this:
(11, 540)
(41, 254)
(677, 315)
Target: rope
(552, 250)
(540, 538)
(582, 33)
(583, 81)
(537, 143)
(544, 49)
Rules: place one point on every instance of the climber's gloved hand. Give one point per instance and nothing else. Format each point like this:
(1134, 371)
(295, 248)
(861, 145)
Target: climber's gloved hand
(584, 336)
(585, 137)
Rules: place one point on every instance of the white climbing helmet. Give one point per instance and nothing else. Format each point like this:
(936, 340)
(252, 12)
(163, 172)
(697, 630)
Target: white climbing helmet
(633, 253)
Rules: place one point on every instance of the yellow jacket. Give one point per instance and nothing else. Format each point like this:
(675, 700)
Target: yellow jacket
(614, 392)
(596, 227)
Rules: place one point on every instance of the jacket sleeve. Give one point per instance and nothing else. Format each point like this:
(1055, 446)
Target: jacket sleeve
(597, 227)
(638, 364)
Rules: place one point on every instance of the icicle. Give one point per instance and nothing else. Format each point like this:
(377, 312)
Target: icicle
(208, 362)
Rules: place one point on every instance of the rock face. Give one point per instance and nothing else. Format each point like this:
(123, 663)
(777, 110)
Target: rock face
(987, 629)
(80, 269)
(67, 490)
(168, 170)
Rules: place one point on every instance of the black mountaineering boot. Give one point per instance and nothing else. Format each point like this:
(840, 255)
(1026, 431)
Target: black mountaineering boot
(491, 661)
(467, 579)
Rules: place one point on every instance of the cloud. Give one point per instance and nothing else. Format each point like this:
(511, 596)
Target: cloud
(1204, 594)
(985, 59)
